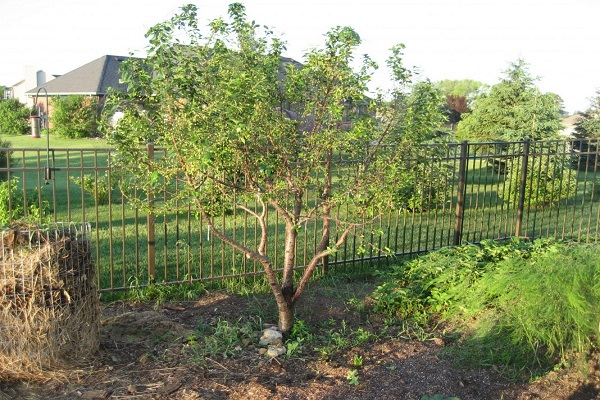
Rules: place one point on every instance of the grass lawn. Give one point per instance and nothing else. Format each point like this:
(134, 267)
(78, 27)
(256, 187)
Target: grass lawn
(185, 250)
(26, 141)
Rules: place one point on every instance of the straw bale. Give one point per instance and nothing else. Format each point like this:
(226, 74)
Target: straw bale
(49, 308)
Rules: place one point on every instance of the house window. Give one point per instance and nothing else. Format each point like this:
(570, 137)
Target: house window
(8, 93)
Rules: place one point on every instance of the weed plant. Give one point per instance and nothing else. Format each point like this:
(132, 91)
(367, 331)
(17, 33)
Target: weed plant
(352, 378)
(342, 338)
(224, 338)
(160, 294)
(433, 282)
(12, 207)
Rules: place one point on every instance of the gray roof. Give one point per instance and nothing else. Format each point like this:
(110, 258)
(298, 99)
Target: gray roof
(93, 78)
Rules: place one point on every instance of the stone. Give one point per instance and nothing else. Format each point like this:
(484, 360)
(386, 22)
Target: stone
(276, 350)
(270, 336)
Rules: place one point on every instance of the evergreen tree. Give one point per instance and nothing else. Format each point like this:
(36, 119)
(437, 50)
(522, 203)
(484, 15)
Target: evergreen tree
(515, 109)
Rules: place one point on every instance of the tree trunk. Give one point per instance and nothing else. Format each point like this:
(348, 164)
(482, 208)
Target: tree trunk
(286, 319)
(286, 307)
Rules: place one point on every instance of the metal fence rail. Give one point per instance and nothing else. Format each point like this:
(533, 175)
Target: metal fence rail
(467, 192)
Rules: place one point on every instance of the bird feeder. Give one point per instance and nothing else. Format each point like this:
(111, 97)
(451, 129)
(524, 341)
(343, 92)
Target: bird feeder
(35, 126)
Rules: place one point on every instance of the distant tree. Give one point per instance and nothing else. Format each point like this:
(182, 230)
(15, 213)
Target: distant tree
(74, 116)
(459, 94)
(514, 109)
(2, 91)
(588, 125)
(561, 107)
(466, 88)
(456, 106)
(214, 102)
(14, 117)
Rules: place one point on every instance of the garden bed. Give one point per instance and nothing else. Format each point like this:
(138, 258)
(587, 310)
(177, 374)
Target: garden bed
(151, 352)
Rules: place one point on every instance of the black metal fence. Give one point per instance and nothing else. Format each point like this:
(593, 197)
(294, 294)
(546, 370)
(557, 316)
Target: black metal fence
(465, 192)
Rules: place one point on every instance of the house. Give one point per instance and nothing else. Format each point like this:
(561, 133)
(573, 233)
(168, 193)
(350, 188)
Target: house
(33, 78)
(92, 79)
(569, 124)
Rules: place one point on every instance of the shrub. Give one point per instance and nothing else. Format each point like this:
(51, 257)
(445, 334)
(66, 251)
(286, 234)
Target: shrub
(549, 181)
(14, 117)
(424, 187)
(524, 306)
(75, 116)
(547, 305)
(5, 158)
(12, 205)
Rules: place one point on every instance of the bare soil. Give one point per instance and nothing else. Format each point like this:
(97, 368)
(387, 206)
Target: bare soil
(145, 355)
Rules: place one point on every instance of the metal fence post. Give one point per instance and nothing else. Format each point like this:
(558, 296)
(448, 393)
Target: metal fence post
(460, 196)
(150, 224)
(523, 185)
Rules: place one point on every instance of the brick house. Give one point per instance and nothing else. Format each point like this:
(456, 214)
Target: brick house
(92, 79)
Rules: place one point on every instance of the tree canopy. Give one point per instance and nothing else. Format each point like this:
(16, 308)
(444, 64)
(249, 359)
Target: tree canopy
(514, 109)
(467, 88)
(589, 123)
(459, 94)
(242, 127)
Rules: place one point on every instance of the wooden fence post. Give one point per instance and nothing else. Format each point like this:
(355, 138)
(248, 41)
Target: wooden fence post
(523, 186)
(460, 196)
(150, 224)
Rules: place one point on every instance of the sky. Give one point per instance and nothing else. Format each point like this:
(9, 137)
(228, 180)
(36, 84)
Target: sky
(444, 39)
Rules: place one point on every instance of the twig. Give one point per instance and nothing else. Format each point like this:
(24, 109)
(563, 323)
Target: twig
(219, 364)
